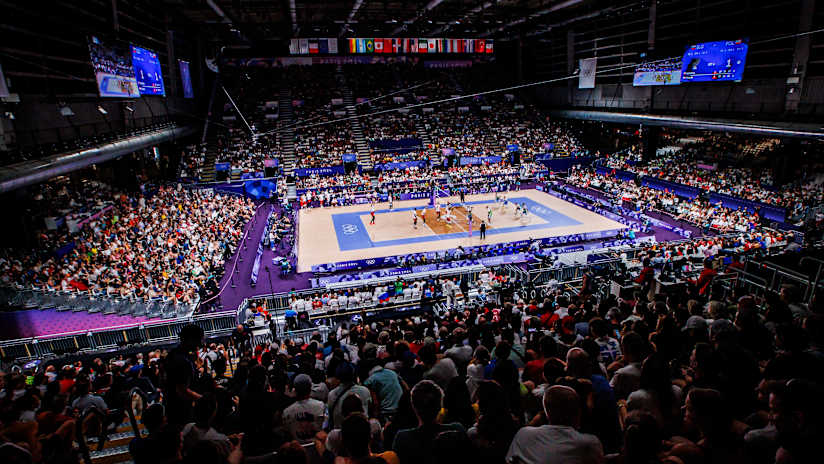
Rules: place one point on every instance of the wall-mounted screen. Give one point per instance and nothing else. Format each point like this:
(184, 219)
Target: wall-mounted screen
(660, 72)
(112, 70)
(147, 71)
(186, 79)
(714, 61)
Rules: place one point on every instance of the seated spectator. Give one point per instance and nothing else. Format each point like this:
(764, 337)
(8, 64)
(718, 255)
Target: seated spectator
(559, 441)
(415, 445)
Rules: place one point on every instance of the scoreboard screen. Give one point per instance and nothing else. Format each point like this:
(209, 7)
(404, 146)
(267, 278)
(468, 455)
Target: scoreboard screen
(714, 61)
(147, 71)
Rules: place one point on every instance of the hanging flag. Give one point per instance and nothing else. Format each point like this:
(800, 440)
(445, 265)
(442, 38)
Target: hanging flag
(479, 45)
(422, 47)
(489, 43)
(370, 45)
(353, 48)
(432, 45)
(303, 46)
(323, 46)
(459, 46)
(378, 45)
(294, 48)
(333, 46)
(313, 46)
(361, 45)
(396, 45)
(413, 45)
(405, 47)
(586, 74)
(440, 45)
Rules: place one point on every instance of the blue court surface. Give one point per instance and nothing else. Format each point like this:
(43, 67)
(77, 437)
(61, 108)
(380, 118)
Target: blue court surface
(352, 234)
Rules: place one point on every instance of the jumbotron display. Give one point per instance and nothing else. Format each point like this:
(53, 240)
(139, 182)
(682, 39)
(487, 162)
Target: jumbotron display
(660, 72)
(147, 71)
(113, 70)
(714, 61)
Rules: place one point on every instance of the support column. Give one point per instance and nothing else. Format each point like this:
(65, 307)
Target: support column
(171, 89)
(115, 21)
(649, 141)
(798, 72)
(653, 16)
(519, 60)
(572, 84)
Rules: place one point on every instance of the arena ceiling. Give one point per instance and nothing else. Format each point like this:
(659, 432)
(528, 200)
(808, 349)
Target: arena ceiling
(254, 21)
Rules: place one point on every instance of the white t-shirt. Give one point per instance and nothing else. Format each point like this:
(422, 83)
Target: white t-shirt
(626, 380)
(304, 419)
(551, 444)
(335, 405)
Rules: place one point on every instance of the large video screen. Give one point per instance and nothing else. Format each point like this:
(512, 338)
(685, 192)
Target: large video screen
(147, 71)
(186, 79)
(714, 61)
(112, 70)
(661, 72)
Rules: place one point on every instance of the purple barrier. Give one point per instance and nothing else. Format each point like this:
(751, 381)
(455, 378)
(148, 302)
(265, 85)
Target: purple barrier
(496, 249)
(514, 258)
(681, 190)
(564, 164)
(325, 171)
(400, 165)
(770, 212)
(627, 176)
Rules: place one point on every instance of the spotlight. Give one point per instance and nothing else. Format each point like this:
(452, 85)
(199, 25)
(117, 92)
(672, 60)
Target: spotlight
(129, 109)
(102, 110)
(66, 111)
(10, 115)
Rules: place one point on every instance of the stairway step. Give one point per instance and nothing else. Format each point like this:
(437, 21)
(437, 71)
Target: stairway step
(114, 455)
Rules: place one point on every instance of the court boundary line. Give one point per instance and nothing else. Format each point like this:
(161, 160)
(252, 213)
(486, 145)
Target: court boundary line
(464, 215)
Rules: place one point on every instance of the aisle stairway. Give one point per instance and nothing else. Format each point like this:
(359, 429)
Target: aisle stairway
(364, 159)
(420, 127)
(286, 136)
(116, 448)
(207, 172)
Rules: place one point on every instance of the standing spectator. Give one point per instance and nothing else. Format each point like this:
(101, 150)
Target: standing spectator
(345, 373)
(386, 386)
(181, 373)
(306, 416)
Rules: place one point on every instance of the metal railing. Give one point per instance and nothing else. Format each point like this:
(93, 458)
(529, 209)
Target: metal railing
(153, 332)
(539, 275)
(277, 303)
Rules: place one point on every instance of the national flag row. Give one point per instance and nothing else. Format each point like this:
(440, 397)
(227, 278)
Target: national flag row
(322, 46)
(415, 45)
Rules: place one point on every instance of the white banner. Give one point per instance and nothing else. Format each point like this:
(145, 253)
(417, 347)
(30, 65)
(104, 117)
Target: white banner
(586, 76)
(4, 89)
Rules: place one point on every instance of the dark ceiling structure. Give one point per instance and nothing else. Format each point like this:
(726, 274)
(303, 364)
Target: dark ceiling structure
(254, 21)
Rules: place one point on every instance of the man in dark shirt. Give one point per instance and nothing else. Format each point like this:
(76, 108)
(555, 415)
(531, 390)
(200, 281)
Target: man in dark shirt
(415, 445)
(181, 373)
(241, 337)
(141, 447)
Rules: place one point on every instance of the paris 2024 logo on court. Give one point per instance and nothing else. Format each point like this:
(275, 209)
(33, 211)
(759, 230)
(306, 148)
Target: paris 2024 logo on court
(349, 229)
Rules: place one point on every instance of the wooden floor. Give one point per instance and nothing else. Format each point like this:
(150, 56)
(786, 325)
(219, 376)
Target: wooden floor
(394, 233)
